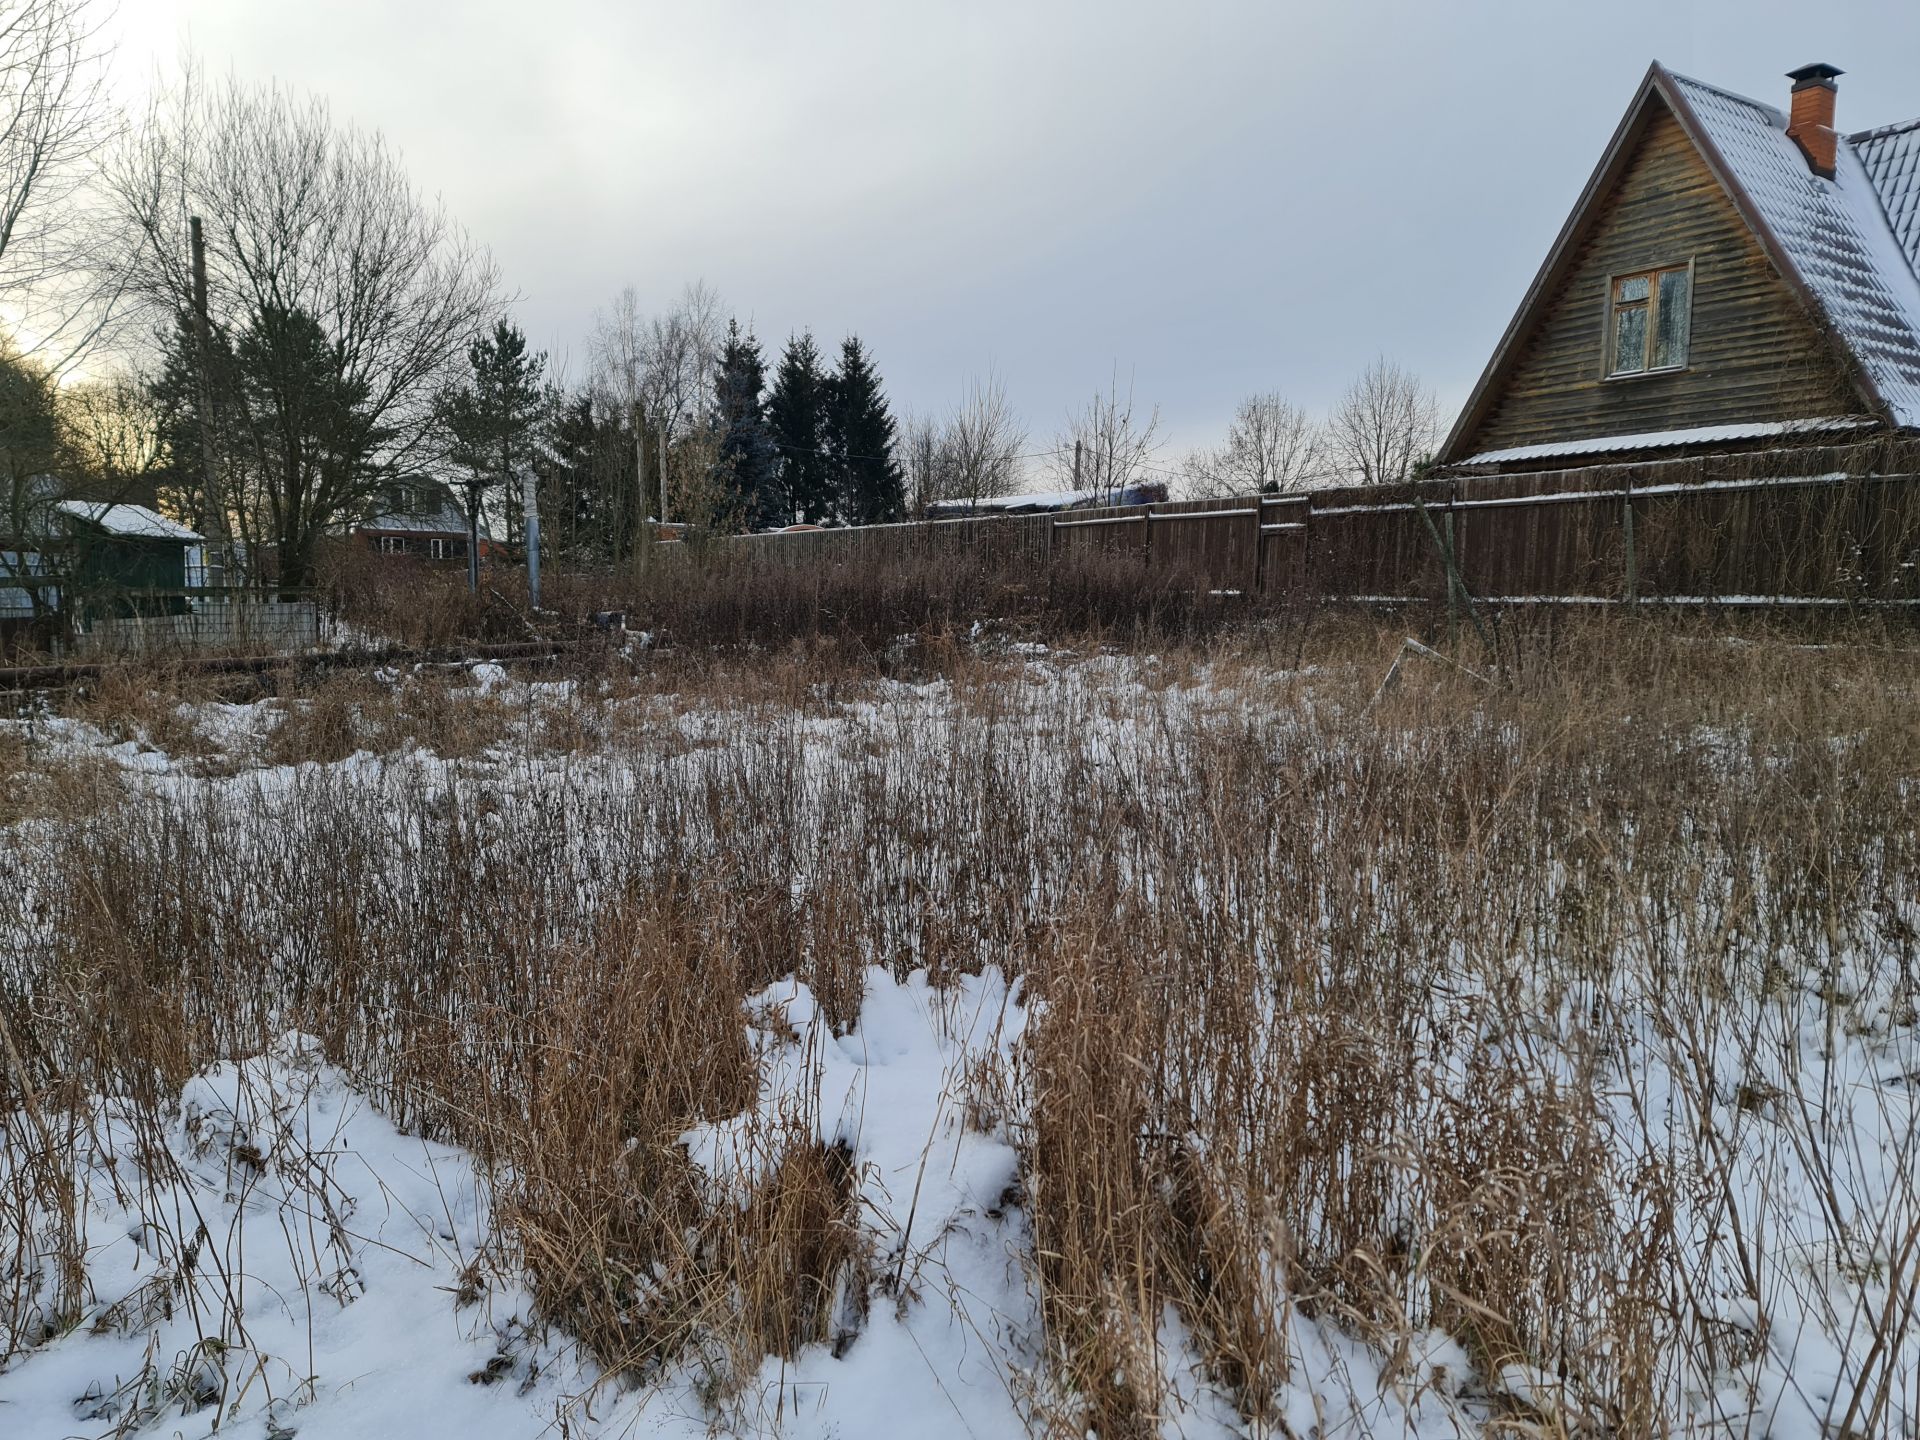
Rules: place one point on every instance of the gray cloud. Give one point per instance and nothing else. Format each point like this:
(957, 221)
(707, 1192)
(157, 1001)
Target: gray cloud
(1215, 197)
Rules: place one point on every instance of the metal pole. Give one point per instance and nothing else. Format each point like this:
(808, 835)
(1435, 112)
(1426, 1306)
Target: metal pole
(1259, 546)
(1626, 533)
(473, 538)
(641, 533)
(532, 511)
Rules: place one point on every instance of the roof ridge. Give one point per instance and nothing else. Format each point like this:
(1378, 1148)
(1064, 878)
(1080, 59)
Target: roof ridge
(1774, 114)
(1881, 132)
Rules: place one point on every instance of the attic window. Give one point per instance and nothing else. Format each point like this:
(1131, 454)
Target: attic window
(1648, 319)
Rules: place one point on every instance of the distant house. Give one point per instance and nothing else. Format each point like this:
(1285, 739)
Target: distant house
(422, 518)
(1732, 277)
(73, 562)
(1044, 502)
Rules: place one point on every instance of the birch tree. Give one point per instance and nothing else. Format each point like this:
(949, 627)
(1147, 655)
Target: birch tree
(1384, 425)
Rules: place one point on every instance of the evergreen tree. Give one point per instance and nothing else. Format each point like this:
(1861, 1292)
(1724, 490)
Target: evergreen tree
(180, 400)
(495, 416)
(307, 429)
(860, 435)
(797, 419)
(576, 510)
(747, 465)
(297, 443)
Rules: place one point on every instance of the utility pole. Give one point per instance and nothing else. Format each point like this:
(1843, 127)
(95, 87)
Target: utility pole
(1076, 465)
(203, 341)
(663, 474)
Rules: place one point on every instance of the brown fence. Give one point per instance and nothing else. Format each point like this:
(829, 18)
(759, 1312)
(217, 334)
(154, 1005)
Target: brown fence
(1819, 526)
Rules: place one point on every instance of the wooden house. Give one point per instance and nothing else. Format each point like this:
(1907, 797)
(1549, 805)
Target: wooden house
(1732, 277)
(421, 518)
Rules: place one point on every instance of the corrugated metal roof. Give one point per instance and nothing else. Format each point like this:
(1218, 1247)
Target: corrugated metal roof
(1891, 156)
(1666, 439)
(1836, 234)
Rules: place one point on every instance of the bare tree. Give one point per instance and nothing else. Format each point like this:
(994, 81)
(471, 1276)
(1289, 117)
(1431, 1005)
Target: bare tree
(1115, 447)
(1384, 425)
(657, 371)
(1272, 445)
(115, 436)
(981, 444)
(54, 117)
(661, 363)
(341, 300)
(922, 461)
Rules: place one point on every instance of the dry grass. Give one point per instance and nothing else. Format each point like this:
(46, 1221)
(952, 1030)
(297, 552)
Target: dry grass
(1451, 1008)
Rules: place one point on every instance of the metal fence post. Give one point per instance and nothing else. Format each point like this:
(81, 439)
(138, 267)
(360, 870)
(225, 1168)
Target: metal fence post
(1259, 543)
(1626, 533)
(1453, 608)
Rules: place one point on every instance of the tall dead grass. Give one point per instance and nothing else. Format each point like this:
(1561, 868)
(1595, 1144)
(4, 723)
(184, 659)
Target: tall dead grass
(1456, 1008)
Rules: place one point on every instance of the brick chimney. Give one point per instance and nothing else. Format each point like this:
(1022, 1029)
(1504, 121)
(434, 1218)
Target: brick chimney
(1810, 123)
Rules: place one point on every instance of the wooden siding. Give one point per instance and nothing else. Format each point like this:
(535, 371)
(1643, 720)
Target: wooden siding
(1755, 355)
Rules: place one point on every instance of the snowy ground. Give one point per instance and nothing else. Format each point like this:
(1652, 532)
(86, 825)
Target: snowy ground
(328, 1286)
(273, 1258)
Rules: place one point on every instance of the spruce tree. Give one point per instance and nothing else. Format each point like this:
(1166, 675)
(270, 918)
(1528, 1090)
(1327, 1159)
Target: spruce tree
(860, 435)
(576, 512)
(797, 420)
(747, 467)
(496, 415)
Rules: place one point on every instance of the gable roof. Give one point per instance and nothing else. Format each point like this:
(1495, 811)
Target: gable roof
(1850, 246)
(135, 522)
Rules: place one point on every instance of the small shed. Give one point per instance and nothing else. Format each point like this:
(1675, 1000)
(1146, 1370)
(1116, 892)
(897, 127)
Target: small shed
(135, 555)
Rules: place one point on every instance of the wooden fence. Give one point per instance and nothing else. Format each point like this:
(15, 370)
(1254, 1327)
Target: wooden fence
(1812, 527)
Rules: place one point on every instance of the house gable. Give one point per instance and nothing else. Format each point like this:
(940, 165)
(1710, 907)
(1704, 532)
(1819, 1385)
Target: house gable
(1756, 355)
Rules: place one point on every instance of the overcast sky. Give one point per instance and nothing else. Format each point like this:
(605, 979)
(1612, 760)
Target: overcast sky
(1216, 198)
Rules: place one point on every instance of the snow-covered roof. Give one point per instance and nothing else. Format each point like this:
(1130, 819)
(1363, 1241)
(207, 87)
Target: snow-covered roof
(1891, 156)
(131, 521)
(1037, 500)
(1835, 236)
(448, 522)
(1664, 439)
(1040, 500)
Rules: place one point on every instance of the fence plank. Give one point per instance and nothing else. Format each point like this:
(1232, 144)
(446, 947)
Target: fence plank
(1823, 525)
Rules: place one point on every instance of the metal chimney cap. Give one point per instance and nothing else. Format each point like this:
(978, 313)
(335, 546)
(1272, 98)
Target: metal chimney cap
(1818, 74)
